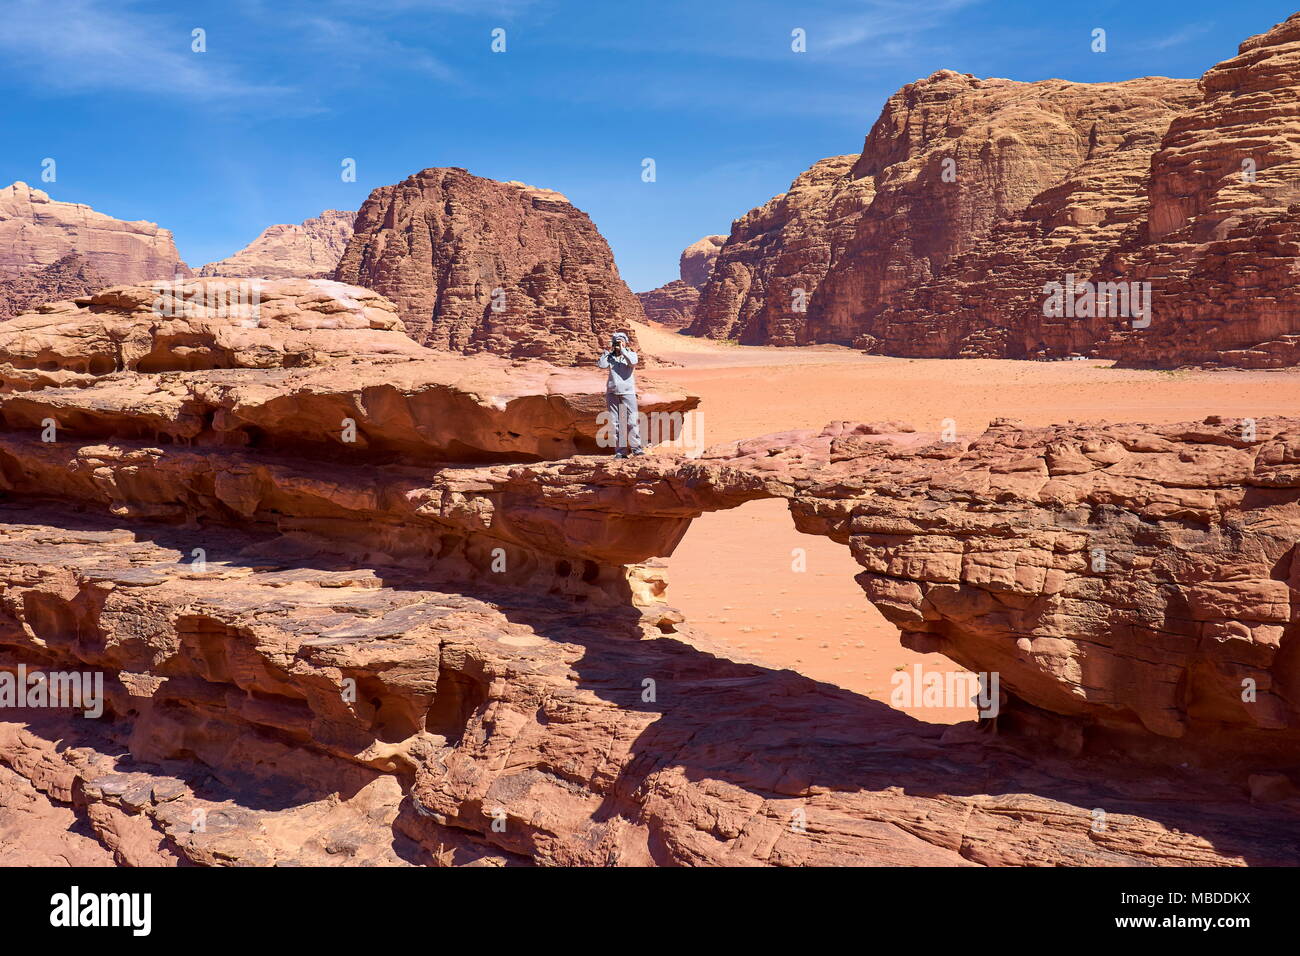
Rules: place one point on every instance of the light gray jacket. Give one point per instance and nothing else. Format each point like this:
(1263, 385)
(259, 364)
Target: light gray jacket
(622, 380)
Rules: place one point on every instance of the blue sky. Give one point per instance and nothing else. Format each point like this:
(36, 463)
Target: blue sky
(217, 145)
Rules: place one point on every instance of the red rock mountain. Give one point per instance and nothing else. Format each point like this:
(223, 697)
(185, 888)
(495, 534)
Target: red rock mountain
(673, 305)
(37, 231)
(310, 249)
(477, 265)
(971, 196)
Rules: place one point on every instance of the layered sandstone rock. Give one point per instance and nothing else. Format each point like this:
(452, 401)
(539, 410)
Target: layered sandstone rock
(191, 324)
(273, 708)
(476, 265)
(1138, 577)
(1235, 155)
(1223, 234)
(432, 645)
(292, 363)
(67, 278)
(972, 197)
(673, 305)
(988, 300)
(949, 166)
(778, 254)
(37, 231)
(289, 658)
(308, 250)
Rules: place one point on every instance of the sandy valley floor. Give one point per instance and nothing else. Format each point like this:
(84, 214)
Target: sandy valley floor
(732, 574)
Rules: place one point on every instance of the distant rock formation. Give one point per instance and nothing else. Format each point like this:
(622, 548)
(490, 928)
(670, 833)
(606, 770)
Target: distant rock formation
(37, 231)
(1222, 247)
(777, 255)
(696, 262)
(67, 278)
(308, 250)
(673, 305)
(950, 159)
(477, 265)
(972, 197)
(1092, 146)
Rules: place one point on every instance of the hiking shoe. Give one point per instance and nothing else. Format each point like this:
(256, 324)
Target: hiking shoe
(620, 454)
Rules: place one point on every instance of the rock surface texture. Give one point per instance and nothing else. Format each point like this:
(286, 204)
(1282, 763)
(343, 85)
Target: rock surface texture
(673, 305)
(477, 265)
(67, 278)
(288, 363)
(369, 651)
(37, 231)
(307, 250)
(971, 196)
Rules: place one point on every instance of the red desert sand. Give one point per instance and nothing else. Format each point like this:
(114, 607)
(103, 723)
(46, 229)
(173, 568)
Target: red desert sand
(732, 575)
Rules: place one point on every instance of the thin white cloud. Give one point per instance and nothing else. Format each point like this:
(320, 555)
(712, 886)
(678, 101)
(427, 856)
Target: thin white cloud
(884, 21)
(764, 33)
(344, 39)
(84, 46)
(1175, 39)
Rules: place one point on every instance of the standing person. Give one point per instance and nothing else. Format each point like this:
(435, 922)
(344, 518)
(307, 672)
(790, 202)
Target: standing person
(620, 395)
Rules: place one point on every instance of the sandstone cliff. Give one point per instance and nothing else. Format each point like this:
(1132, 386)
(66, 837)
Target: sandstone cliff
(310, 249)
(951, 160)
(476, 265)
(1223, 235)
(673, 305)
(67, 278)
(971, 196)
(777, 255)
(37, 231)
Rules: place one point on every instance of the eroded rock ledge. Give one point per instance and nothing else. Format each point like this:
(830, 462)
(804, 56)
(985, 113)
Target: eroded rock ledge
(230, 736)
(380, 655)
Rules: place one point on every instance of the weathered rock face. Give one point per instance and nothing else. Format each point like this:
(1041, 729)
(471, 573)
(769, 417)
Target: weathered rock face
(195, 324)
(313, 713)
(1248, 112)
(950, 159)
(232, 676)
(1139, 577)
(369, 654)
(476, 265)
(288, 363)
(778, 254)
(971, 196)
(1223, 235)
(308, 250)
(37, 231)
(673, 305)
(988, 299)
(67, 278)
(696, 262)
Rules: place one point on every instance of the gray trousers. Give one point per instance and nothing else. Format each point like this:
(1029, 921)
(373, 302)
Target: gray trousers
(624, 420)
